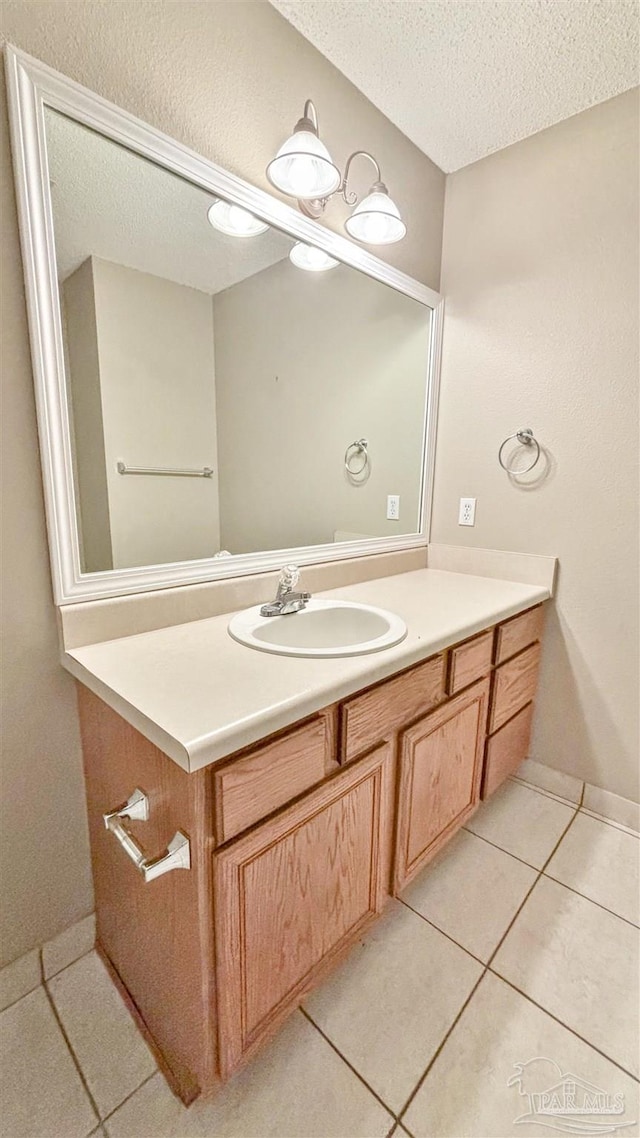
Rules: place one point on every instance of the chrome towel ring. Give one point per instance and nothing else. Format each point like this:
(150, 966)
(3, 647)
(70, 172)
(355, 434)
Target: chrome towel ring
(354, 451)
(526, 438)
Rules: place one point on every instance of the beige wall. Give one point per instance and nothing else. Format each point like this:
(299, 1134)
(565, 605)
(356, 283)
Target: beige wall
(228, 79)
(305, 364)
(540, 271)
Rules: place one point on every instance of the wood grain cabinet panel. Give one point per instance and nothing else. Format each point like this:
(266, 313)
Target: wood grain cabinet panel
(469, 662)
(514, 686)
(506, 750)
(440, 772)
(518, 633)
(292, 894)
(156, 936)
(376, 714)
(254, 785)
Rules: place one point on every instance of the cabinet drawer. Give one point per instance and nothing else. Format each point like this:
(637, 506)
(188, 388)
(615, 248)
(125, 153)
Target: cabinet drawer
(506, 750)
(370, 718)
(514, 686)
(253, 786)
(470, 661)
(518, 633)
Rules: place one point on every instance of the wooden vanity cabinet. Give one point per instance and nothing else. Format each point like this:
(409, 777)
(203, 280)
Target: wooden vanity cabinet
(296, 843)
(440, 772)
(513, 687)
(292, 894)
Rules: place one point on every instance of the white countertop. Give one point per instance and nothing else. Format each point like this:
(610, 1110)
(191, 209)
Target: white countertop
(199, 695)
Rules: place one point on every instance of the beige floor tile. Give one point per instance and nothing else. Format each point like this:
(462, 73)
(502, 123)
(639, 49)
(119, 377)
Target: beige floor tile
(18, 978)
(42, 1095)
(69, 946)
(586, 857)
(522, 822)
(112, 1054)
(467, 1091)
(297, 1087)
(612, 806)
(563, 785)
(609, 822)
(581, 964)
(471, 891)
(389, 1006)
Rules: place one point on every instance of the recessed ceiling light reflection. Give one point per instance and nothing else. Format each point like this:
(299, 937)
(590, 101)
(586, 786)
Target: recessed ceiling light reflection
(311, 259)
(234, 221)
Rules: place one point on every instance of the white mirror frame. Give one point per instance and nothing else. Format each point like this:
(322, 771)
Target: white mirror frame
(32, 86)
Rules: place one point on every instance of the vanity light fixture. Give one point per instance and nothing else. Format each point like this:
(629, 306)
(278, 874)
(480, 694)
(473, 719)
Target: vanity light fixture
(234, 221)
(303, 169)
(311, 258)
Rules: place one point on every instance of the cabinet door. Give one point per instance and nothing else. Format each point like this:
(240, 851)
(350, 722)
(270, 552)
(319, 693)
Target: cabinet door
(440, 770)
(292, 894)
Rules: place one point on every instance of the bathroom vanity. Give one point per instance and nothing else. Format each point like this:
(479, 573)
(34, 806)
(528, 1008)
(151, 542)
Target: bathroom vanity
(298, 840)
(250, 814)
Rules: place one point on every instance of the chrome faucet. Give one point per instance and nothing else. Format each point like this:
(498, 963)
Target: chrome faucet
(286, 600)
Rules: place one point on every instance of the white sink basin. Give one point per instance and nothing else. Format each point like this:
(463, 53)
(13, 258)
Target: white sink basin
(323, 628)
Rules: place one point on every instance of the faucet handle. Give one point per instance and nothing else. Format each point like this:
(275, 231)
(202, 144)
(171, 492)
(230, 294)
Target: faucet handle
(289, 576)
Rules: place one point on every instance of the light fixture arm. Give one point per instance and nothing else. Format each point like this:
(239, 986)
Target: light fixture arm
(349, 196)
(309, 120)
(311, 113)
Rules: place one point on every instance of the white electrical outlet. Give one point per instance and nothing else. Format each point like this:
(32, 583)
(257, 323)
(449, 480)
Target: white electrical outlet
(467, 512)
(393, 507)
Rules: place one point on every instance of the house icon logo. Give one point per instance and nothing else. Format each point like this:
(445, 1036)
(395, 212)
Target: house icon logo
(566, 1102)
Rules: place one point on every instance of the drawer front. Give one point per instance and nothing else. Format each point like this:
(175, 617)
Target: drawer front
(255, 785)
(514, 686)
(506, 750)
(371, 718)
(469, 662)
(518, 633)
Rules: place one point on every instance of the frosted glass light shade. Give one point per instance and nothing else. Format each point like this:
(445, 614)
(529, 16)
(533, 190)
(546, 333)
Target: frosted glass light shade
(303, 168)
(310, 258)
(376, 220)
(234, 221)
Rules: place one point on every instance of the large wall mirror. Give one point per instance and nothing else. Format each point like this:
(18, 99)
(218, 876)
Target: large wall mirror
(209, 403)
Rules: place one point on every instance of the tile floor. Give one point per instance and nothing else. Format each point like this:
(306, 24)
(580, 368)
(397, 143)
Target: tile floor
(508, 965)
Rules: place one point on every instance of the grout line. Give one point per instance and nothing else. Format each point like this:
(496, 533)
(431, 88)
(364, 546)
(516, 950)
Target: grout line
(433, 925)
(135, 1091)
(530, 891)
(556, 1019)
(22, 997)
(490, 843)
(486, 968)
(584, 896)
(582, 794)
(326, 1038)
(543, 790)
(441, 1045)
(65, 968)
(41, 963)
(620, 826)
(74, 1057)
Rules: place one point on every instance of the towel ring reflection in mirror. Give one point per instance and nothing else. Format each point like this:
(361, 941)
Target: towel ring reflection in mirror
(356, 452)
(526, 439)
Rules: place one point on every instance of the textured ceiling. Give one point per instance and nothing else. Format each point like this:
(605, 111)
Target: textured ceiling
(463, 78)
(111, 203)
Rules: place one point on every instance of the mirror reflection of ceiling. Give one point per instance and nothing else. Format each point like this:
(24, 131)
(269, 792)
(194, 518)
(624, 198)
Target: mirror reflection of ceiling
(110, 203)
